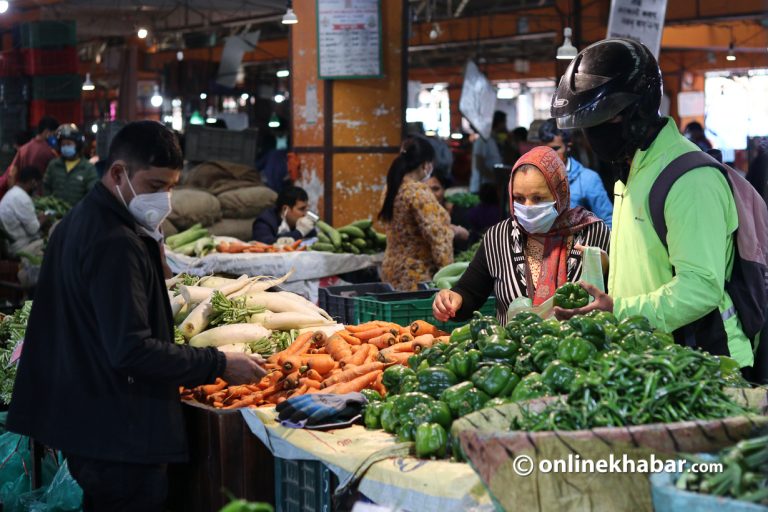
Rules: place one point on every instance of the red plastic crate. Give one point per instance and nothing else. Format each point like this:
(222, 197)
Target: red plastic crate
(62, 111)
(10, 63)
(40, 61)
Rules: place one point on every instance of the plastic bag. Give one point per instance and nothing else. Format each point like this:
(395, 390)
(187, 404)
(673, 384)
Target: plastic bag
(64, 494)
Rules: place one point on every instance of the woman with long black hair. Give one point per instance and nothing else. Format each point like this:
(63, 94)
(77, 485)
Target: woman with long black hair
(419, 234)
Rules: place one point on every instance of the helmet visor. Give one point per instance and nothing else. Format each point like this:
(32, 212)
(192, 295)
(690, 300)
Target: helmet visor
(598, 112)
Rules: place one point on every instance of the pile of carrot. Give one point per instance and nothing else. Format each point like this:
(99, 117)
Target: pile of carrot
(256, 247)
(349, 360)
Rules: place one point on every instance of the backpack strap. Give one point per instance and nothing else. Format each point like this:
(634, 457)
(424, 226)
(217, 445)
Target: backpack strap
(668, 176)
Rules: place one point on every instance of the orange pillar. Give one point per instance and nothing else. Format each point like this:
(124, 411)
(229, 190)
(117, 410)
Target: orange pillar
(346, 132)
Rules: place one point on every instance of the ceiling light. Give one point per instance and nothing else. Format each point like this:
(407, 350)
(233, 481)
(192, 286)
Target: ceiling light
(244, 96)
(505, 93)
(156, 100)
(430, 133)
(203, 96)
(95, 128)
(457, 136)
(142, 33)
(211, 120)
(282, 73)
(435, 32)
(179, 55)
(567, 51)
(274, 121)
(176, 102)
(196, 118)
(289, 18)
(279, 98)
(731, 56)
(4, 6)
(88, 85)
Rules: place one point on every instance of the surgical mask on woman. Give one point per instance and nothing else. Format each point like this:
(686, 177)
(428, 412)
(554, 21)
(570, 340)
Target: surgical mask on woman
(537, 218)
(149, 210)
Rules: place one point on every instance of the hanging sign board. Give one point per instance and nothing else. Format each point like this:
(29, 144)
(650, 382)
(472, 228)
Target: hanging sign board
(349, 39)
(641, 20)
(478, 100)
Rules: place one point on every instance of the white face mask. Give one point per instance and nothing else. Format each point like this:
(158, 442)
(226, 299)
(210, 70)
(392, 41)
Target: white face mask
(149, 210)
(537, 218)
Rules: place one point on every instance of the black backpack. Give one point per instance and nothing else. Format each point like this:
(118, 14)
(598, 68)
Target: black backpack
(748, 285)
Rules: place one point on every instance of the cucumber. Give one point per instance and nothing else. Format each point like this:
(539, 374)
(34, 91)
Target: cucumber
(362, 224)
(344, 237)
(352, 231)
(381, 240)
(331, 233)
(360, 243)
(323, 247)
(323, 238)
(452, 270)
(353, 249)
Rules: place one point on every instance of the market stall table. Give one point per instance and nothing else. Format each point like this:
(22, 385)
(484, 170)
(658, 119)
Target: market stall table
(308, 266)
(387, 476)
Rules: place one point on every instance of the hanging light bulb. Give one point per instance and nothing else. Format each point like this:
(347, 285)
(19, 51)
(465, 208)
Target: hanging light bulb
(279, 97)
(274, 121)
(731, 56)
(88, 85)
(156, 100)
(4, 6)
(567, 51)
(283, 73)
(179, 55)
(289, 18)
(203, 96)
(142, 33)
(196, 118)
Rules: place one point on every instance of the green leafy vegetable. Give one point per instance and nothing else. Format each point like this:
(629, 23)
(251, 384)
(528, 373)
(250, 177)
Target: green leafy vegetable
(231, 311)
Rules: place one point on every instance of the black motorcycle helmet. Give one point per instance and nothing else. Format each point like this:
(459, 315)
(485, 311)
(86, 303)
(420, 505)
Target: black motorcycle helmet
(549, 130)
(70, 131)
(608, 78)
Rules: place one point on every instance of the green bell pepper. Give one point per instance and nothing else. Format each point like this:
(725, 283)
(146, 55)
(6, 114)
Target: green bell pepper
(663, 339)
(544, 350)
(431, 440)
(558, 376)
(637, 341)
(473, 400)
(571, 296)
(464, 364)
(576, 351)
(515, 331)
(551, 327)
(524, 363)
(406, 402)
(495, 402)
(604, 317)
(527, 318)
(495, 348)
(388, 418)
(453, 396)
(246, 506)
(591, 330)
(611, 333)
(530, 387)
(372, 415)
(406, 431)
(433, 381)
(371, 395)
(455, 444)
(461, 334)
(634, 322)
(410, 383)
(435, 355)
(439, 412)
(495, 380)
(414, 361)
(394, 375)
(566, 330)
(480, 323)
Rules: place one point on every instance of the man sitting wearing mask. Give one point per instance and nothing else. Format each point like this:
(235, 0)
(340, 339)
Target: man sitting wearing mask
(70, 177)
(288, 219)
(17, 213)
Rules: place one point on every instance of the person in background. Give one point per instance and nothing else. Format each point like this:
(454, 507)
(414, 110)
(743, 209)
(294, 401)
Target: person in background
(484, 215)
(532, 253)
(486, 154)
(694, 132)
(38, 152)
(21, 138)
(443, 163)
(438, 183)
(587, 188)
(69, 177)
(17, 213)
(419, 234)
(612, 91)
(100, 336)
(288, 219)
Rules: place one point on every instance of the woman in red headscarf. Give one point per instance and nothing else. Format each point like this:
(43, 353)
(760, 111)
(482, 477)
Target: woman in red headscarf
(533, 252)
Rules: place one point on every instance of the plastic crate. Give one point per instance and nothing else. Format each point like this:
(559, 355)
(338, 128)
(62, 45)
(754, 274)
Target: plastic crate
(56, 87)
(303, 486)
(41, 61)
(14, 90)
(403, 308)
(47, 34)
(107, 132)
(10, 63)
(202, 144)
(62, 111)
(13, 119)
(339, 301)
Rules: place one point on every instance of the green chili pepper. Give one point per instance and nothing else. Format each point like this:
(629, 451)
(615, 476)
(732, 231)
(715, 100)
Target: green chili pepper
(372, 416)
(498, 349)
(544, 350)
(371, 395)
(558, 376)
(431, 440)
(530, 387)
(463, 364)
(571, 296)
(576, 351)
(495, 379)
(394, 375)
(388, 418)
(433, 381)
(461, 334)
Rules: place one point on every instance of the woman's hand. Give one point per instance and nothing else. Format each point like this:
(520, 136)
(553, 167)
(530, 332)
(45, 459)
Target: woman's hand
(459, 232)
(603, 257)
(446, 304)
(602, 301)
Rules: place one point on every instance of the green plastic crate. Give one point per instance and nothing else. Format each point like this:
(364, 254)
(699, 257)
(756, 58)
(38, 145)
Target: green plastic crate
(400, 309)
(303, 486)
(56, 87)
(47, 34)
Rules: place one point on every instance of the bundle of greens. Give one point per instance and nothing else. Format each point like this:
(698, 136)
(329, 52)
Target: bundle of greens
(52, 206)
(231, 311)
(467, 255)
(12, 330)
(463, 199)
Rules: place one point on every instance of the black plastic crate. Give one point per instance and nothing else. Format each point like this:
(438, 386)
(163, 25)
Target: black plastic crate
(303, 486)
(339, 301)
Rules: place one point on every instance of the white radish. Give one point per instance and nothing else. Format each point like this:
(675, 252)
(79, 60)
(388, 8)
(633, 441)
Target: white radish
(229, 334)
(301, 300)
(177, 302)
(198, 319)
(195, 294)
(233, 347)
(278, 303)
(215, 282)
(170, 283)
(265, 284)
(285, 321)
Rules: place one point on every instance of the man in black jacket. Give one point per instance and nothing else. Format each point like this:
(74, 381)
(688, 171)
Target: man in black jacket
(288, 219)
(99, 374)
